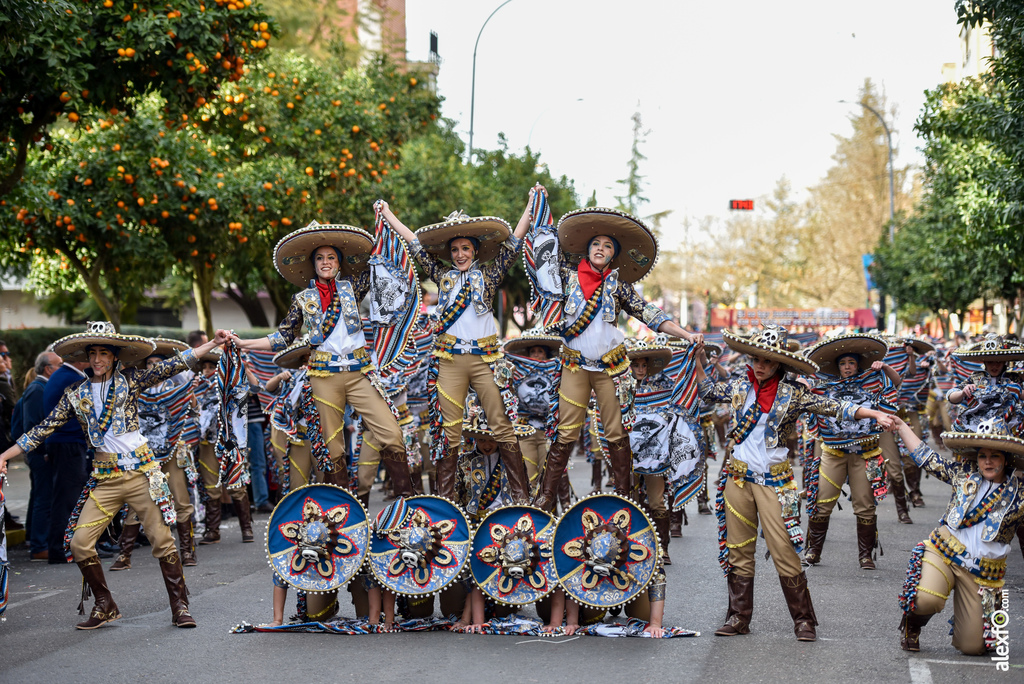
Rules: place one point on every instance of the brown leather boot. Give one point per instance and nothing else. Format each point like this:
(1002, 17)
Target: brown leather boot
(432, 482)
(867, 539)
(129, 533)
(911, 626)
(621, 457)
(515, 471)
(661, 523)
(417, 479)
(554, 466)
(899, 497)
(104, 610)
(338, 476)
(912, 474)
(595, 476)
(244, 517)
(177, 592)
(447, 470)
(798, 598)
(364, 499)
(937, 434)
(187, 542)
(675, 524)
(564, 491)
(817, 529)
(741, 606)
(212, 533)
(397, 465)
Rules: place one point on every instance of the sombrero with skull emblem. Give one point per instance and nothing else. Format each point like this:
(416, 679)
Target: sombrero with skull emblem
(771, 343)
(658, 355)
(869, 348)
(511, 557)
(318, 537)
(488, 231)
(992, 348)
(293, 255)
(130, 348)
(992, 433)
(535, 337)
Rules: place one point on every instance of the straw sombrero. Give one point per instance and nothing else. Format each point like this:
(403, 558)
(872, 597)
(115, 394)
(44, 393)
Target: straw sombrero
(293, 356)
(920, 346)
(536, 337)
(993, 434)
(293, 255)
(213, 356)
(491, 231)
(658, 356)
(165, 347)
(868, 347)
(131, 348)
(474, 424)
(638, 248)
(991, 348)
(770, 342)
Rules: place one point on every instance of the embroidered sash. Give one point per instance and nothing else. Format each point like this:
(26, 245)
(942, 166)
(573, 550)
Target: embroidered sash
(746, 422)
(979, 512)
(588, 315)
(446, 319)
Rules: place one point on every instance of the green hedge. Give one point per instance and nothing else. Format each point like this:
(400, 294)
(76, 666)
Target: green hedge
(26, 343)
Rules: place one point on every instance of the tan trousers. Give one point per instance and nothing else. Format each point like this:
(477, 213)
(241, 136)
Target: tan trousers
(894, 460)
(573, 396)
(301, 468)
(177, 482)
(835, 470)
(369, 463)
(535, 453)
(209, 468)
(454, 378)
(105, 500)
(744, 507)
(655, 485)
(938, 580)
(330, 394)
(938, 413)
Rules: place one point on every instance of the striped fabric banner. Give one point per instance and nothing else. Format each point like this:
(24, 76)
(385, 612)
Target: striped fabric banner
(541, 258)
(262, 365)
(962, 369)
(397, 311)
(232, 419)
(176, 399)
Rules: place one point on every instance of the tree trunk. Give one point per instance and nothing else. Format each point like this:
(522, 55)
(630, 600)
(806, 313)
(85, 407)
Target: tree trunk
(9, 181)
(91, 277)
(250, 305)
(202, 288)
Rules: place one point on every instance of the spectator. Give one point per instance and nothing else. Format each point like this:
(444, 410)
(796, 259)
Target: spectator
(28, 414)
(69, 457)
(258, 456)
(7, 398)
(196, 338)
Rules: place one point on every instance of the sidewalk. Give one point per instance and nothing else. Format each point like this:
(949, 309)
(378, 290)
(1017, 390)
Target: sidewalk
(16, 491)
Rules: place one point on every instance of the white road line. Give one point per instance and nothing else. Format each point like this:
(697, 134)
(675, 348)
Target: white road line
(981, 663)
(547, 641)
(36, 597)
(920, 673)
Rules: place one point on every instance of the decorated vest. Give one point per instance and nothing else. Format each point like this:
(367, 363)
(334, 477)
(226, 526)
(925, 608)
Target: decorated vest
(776, 414)
(575, 301)
(965, 488)
(309, 300)
(82, 401)
(475, 280)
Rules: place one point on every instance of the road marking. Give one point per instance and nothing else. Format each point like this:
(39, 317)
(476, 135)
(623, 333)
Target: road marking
(920, 673)
(547, 641)
(961, 662)
(36, 597)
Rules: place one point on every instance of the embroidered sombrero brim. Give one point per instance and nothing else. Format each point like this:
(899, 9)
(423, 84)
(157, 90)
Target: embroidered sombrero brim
(657, 357)
(213, 356)
(131, 348)
(920, 346)
(165, 347)
(793, 361)
(293, 255)
(521, 345)
(638, 248)
(473, 431)
(976, 352)
(869, 347)
(968, 443)
(293, 357)
(491, 231)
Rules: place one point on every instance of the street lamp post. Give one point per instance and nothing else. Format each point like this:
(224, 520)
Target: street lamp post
(472, 93)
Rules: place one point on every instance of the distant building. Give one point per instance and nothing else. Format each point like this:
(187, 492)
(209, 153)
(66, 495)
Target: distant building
(976, 52)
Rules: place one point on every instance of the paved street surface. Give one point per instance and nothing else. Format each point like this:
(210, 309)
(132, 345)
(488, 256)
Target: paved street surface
(857, 609)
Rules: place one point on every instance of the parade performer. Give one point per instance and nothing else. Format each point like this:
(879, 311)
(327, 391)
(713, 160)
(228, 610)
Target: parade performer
(937, 409)
(851, 370)
(295, 465)
(759, 487)
(466, 349)
(707, 413)
(913, 393)
(994, 392)
(901, 357)
(332, 263)
(600, 253)
(164, 421)
(966, 554)
(124, 468)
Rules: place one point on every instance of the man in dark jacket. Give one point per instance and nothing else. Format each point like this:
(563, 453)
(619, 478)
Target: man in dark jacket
(68, 454)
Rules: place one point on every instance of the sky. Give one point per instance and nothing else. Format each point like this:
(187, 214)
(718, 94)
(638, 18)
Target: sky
(735, 94)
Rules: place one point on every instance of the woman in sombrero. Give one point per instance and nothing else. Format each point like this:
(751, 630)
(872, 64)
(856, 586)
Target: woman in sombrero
(851, 370)
(125, 470)
(758, 488)
(965, 556)
(468, 257)
(331, 263)
(601, 253)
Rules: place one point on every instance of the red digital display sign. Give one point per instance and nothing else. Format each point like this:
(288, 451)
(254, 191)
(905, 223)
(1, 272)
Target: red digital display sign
(741, 205)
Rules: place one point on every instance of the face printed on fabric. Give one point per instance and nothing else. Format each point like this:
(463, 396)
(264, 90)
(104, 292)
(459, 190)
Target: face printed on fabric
(992, 464)
(995, 368)
(847, 367)
(463, 253)
(538, 353)
(639, 368)
(102, 362)
(763, 368)
(325, 261)
(601, 252)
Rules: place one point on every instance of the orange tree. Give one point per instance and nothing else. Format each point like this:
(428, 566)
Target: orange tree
(88, 58)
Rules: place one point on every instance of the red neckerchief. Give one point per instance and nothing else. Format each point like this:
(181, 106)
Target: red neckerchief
(589, 278)
(764, 394)
(326, 293)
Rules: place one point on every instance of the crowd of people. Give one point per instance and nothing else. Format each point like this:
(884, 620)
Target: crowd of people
(176, 433)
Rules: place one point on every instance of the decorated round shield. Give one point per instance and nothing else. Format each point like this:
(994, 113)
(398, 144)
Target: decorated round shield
(425, 552)
(511, 559)
(317, 537)
(605, 551)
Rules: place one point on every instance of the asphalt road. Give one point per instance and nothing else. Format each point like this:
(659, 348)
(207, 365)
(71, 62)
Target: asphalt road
(857, 610)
